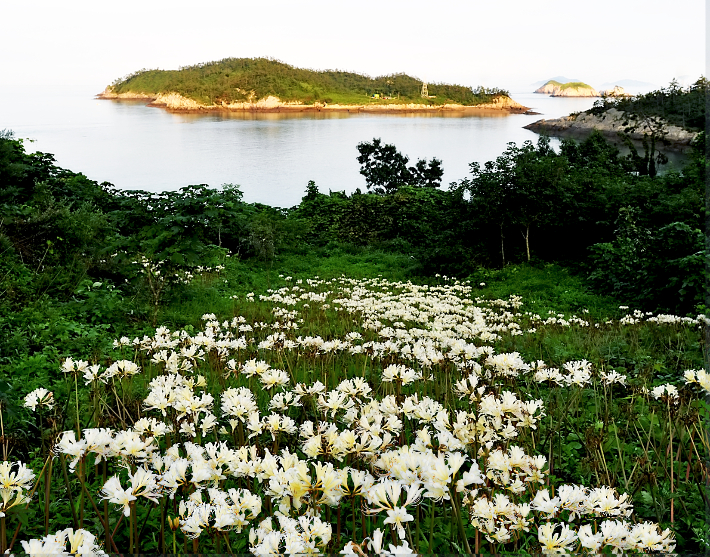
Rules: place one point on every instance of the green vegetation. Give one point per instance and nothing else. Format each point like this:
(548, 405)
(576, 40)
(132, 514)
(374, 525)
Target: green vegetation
(684, 107)
(385, 169)
(249, 79)
(579, 235)
(651, 114)
(568, 85)
(575, 85)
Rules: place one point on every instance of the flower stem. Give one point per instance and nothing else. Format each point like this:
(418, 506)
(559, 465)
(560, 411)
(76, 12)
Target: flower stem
(431, 528)
(459, 521)
(131, 526)
(47, 488)
(107, 531)
(226, 539)
(96, 510)
(78, 421)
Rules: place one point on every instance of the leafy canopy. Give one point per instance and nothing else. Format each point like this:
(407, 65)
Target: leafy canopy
(385, 168)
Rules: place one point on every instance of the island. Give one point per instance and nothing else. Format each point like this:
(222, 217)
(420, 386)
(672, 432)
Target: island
(570, 89)
(268, 85)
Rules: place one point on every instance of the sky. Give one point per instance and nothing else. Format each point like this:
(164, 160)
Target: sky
(84, 45)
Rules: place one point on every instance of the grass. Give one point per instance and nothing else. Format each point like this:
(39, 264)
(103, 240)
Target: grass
(544, 288)
(569, 85)
(575, 85)
(549, 287)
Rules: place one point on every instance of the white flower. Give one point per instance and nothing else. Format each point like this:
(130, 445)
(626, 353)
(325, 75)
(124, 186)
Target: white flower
(68, 445)
(81, 542)
(588, 539)
(544, 504)
(555, 543)
(39, 398)
(19, 480)
(613, 377)
(113, 491)
(666, 391)
(397, 516)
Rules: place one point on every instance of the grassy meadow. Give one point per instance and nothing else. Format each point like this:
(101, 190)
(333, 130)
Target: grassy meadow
(340, 408)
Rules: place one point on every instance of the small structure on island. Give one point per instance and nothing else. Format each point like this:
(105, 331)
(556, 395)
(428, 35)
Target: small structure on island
(425, 90)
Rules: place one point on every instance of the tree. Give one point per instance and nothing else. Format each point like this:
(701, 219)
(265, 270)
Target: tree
(385, 168)
(538, 190)
(491, 188)
(523, 187)
(654, 130)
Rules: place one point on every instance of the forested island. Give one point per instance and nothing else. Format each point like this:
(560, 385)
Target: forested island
(267, 84)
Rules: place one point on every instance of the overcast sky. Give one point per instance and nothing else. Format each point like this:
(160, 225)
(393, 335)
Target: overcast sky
(87, 44)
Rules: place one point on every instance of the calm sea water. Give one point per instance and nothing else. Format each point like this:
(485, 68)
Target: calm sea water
(271, 156)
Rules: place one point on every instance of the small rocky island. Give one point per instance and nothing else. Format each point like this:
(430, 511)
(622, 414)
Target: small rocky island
(570, 89)
(617, 91)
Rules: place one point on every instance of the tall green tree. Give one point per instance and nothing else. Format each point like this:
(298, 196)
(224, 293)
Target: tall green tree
(539, 187)
(524, 187)
(490, 190)
(385, 168)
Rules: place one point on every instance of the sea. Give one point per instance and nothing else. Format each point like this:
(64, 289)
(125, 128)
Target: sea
(271, 156)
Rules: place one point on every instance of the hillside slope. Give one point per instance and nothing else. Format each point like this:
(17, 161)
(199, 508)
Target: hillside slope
(247, 82)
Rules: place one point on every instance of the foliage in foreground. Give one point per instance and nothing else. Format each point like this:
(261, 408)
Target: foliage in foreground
(385, 169)
(367, 415)
(83, 263)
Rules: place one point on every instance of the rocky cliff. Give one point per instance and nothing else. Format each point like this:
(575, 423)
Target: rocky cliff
(577, 92)
(109, 94)
(179, 103)
(617, 91)
(549, 88)
(610, 123)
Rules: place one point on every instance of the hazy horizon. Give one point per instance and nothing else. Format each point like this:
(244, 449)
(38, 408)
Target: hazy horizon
(86, 45)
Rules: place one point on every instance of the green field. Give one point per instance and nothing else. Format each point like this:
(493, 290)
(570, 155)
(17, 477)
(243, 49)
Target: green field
(321, 397)
(575, 85)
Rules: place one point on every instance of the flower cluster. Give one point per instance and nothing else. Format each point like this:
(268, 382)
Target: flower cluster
(39, 398)
(13, 483)
(81, 542)
(248, 419)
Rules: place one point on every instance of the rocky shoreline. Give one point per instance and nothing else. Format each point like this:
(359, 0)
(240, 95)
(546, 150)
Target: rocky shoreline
(609, 123)
(174, 102)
